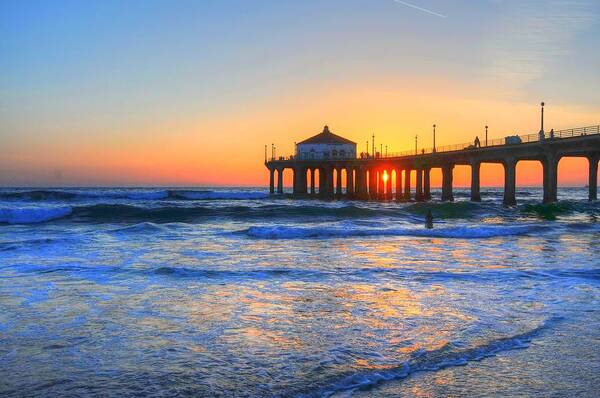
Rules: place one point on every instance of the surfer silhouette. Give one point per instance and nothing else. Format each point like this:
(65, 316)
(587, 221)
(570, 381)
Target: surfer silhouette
(429, 220)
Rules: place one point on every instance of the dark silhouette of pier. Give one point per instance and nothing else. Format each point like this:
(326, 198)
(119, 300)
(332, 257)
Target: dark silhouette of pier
(369, 177)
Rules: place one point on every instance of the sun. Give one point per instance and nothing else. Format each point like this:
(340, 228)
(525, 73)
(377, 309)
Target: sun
(385, 176)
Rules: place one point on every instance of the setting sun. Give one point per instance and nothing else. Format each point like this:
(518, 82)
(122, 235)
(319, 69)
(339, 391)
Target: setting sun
(385, 176)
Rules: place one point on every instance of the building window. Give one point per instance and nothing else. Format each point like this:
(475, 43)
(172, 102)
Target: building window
(342, 153)
(334, 153)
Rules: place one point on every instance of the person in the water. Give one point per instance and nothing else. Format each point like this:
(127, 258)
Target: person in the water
(429, 220)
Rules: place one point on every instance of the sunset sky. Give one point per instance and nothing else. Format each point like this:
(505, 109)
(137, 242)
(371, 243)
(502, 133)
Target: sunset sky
(189, 92)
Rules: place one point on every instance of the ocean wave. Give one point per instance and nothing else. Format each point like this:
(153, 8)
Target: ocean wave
(478, 232)
(216, 195)
(251, 274)
(16, 244)
(128, 213)
(445, 209)
(143, 227)
(131, 194)
(167, 214)
(156, 195)
(551, 211)
(38, 195)
(434, 360)
(133, 213)
(29, 215)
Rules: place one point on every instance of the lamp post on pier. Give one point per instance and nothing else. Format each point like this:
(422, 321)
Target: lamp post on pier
(486, 135)
(265, 153)
(542, 127)
(416, 150)
(386, 151)
(434, 138)
(373, 144)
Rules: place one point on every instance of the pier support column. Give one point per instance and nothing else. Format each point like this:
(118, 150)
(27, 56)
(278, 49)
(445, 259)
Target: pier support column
(349, 182)
(272, 181)
(475, 182)
(297, 185)
(372, 184)
(426, 184)
(338, 182)
(361, 183)
(312, 181)
(280, 181)
(380, 185)
(399, 194)
(593, 177)
(447, 182)
(510, 182)
(302, 180)
(387, 184)
(329, 192)
(419, 187)
(322, 182)
(407, 184)
(550, 178)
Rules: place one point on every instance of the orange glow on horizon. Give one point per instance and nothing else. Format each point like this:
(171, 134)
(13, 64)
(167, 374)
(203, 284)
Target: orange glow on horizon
(227, 147)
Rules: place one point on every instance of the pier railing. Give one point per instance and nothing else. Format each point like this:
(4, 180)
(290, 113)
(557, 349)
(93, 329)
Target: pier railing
(506, 141)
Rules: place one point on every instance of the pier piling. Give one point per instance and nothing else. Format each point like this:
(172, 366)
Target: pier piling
(475, 182)
(593, 177)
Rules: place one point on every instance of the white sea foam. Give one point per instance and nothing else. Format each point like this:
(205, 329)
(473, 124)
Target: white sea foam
(475, 232)
(28, 215)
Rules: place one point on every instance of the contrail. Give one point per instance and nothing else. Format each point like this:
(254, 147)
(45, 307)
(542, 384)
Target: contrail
(419, 8)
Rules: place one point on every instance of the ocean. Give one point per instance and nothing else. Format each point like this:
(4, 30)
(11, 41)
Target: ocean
(228, 292)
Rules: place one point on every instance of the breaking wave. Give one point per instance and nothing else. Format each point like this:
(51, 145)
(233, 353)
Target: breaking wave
(550, 211)
(126, 213)
(29, 215)
(284, 232)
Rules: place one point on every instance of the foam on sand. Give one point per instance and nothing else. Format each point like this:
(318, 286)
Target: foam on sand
(431, 361)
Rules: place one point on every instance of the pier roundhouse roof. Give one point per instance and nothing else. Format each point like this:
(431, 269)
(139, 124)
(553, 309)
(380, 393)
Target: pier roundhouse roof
(326, 137)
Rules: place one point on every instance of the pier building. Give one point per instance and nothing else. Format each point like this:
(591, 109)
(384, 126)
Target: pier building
(324, 146)
(369, 178)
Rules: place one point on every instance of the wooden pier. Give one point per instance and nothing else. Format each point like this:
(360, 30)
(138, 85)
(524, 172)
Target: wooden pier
(370, 177)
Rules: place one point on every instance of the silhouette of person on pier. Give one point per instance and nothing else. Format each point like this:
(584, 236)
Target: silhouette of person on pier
(429, 220)
(477, 142)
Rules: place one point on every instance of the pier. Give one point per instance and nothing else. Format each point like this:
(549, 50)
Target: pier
(369, 176)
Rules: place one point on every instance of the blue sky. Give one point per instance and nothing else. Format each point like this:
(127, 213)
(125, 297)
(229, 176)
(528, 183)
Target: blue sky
(75, 75)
